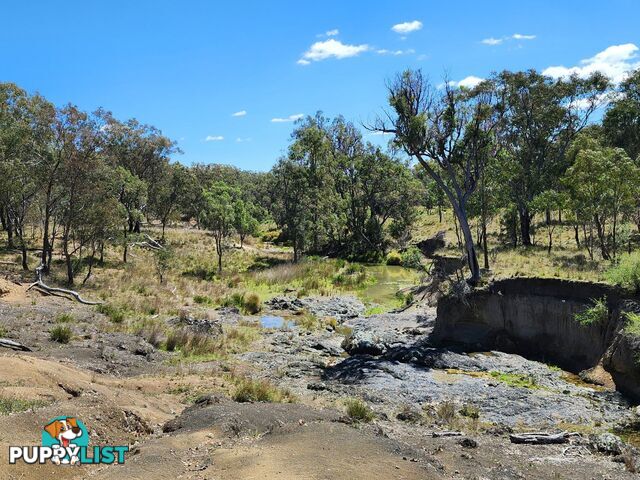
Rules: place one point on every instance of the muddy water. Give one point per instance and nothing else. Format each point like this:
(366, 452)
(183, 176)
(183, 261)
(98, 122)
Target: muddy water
(390, 279)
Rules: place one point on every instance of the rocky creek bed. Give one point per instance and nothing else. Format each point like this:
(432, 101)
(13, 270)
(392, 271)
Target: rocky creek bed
(416, 387)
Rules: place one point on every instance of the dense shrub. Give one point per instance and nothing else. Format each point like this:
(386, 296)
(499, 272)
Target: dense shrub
(412, 258)
(394, 258)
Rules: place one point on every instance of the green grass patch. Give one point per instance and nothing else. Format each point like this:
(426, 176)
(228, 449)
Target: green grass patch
(627, 272)
(65, 318)
(515, 379)
(14, 405)
(632, 325)
(250, 390)
(115, 314)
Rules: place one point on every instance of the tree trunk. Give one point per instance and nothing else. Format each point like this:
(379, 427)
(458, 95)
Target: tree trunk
(576, 235)
(525, 226)
(472, 257)
(484, 245)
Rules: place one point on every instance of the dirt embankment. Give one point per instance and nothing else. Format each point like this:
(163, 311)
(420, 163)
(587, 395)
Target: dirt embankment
(536, 318)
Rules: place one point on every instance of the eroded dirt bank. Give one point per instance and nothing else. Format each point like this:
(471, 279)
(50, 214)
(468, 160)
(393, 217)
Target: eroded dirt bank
(537, 318)
(180, 421)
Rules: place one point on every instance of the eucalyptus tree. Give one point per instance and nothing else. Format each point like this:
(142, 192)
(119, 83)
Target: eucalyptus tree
(25, 129)
(450, 132)
(290, 204)
(622, 119)
(218, 215)
(168, 192)
(603, 183)
(141, 149)
(541, 117)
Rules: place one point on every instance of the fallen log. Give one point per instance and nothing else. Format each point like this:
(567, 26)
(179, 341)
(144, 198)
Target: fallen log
(446, 433)
(541, 438)
(5, 342)
(61, 292)
(57, 292)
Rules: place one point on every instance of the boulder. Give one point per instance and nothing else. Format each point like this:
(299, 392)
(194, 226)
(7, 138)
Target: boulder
(607, 443)
(364, 343)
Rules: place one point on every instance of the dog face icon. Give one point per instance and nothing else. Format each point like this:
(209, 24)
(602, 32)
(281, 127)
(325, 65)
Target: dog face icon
(65, 430)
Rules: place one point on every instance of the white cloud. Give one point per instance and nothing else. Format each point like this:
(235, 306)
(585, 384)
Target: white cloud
(214, 138)
(243, 139)
(332, 33)
(497, 41)
(467, 82)
(384, 51)
(290, 118)
(331, 49)
(519, 36)
(407, 27)
(241, 113)
(492, 41)
(615, 62)
(379, 133)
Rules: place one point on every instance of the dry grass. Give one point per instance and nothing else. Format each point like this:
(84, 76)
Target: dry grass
(564, 261)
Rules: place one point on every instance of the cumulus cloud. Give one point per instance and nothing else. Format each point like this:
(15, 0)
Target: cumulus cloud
(616, 62)
(290, 118)
(407, 27)
(241, 113)
(467, 82)
(214, 138)
(331, 49)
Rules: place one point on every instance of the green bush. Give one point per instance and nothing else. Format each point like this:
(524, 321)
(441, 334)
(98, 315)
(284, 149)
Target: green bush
(203, 300)
(115, 314)
(627, 272)
(394, 258)
(598, 313)
(252, 303)
(60, 334)
(358, 411)
(412, 258)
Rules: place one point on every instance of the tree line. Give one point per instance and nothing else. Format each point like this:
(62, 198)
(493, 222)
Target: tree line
(521, 144)
(518, 147)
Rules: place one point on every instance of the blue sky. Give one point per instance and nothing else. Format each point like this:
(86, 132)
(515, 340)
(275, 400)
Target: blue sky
(187, 67)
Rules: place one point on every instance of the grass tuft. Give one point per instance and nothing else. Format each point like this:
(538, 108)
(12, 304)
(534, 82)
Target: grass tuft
(60, 334)
(358, 411)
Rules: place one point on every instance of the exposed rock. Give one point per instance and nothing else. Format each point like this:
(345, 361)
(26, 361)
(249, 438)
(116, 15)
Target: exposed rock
(607, 443)
(364, 342)
(468, 443)
(198, 325)
(341, 308)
